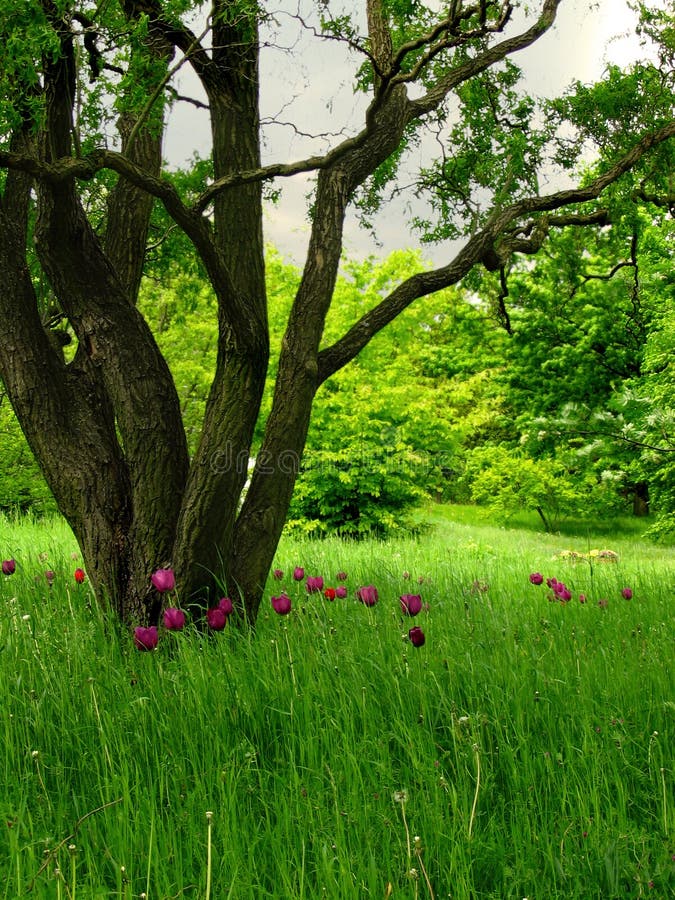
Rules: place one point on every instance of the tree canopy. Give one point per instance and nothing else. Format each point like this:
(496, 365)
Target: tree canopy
(84, 96)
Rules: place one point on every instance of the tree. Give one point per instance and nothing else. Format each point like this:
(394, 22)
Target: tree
(83, 98)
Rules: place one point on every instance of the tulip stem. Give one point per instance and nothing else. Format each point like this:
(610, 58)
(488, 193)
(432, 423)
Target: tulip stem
(476, 753)
(209, 816)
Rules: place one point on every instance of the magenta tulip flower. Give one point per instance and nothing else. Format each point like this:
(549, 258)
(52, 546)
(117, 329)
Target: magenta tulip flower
(281, 604)
(8, 567)
(216, 618)
(146, 638)
(341, 576)
(411, 604)
(278, 574)
(367, 595)
(174, 619)
(50, 576)
(341, 591)
(163, 580)
(627, 593)
(314, 584)
(536, 578)
(582, 598)
(416, 636)
(298, 573)
(226, 605)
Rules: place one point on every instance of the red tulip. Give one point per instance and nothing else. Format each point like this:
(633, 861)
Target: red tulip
(367, 595)
(281, 604)
(146, 638)
(226, 605)
(163, 580)
(411, 604)
(79, 575)
(174, 619)
(330, 593)
(216, 619)
(416, 636)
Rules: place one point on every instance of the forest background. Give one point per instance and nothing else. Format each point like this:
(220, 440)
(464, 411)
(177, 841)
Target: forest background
(562, 405)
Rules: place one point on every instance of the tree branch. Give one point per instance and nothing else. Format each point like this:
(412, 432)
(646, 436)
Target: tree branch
(484, 61)
(479, 248)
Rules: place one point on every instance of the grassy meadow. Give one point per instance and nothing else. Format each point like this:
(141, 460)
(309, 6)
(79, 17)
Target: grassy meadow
(525, 750)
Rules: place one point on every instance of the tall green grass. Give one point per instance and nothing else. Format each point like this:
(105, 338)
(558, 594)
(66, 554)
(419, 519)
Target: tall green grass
(524, 751)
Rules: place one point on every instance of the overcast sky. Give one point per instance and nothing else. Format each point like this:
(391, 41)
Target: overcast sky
(308, 82)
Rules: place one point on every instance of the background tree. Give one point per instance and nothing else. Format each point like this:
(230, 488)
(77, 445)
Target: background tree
(104, 420)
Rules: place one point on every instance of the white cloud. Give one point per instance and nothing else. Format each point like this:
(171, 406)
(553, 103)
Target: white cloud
(309, 84)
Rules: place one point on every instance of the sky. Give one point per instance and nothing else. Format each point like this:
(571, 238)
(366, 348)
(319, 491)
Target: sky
(307, 82)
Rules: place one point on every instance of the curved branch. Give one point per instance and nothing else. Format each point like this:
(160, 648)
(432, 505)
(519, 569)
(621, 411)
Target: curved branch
(484, 61)
(479, 248)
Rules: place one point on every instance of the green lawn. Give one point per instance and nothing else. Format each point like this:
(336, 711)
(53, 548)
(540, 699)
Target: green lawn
(525, 750)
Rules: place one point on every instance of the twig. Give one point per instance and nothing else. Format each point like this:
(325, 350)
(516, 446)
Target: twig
(52, 853)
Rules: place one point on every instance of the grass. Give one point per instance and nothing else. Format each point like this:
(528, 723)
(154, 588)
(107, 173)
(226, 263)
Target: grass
(524, 751)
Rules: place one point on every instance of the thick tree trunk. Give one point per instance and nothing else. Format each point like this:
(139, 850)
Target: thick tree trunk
(266, 504)
(205, 534)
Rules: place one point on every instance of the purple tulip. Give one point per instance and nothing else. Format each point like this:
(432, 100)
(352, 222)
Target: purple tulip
(281, 604)
(174, 619)
(341, 591)
(163, 580)
(146, 638)
(50, 576)
(536, 578)
(341, 576)
(627, 593)
(314, 584)
(298, 573)
(367, 595)
(226, 605)
(8, 567)
(411, 604)
(565, 595)
(416, 636)
(216, 619)
(278, 574)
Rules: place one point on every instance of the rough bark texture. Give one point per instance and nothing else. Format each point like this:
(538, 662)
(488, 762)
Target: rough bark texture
(105, 426)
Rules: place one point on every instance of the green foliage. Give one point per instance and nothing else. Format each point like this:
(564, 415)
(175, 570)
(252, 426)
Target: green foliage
(506, 482)
(22, 486)
(383, 431)
(580, 383)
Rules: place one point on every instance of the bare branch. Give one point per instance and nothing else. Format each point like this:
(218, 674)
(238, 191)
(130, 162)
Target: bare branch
(484, 61)
(145, 112)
